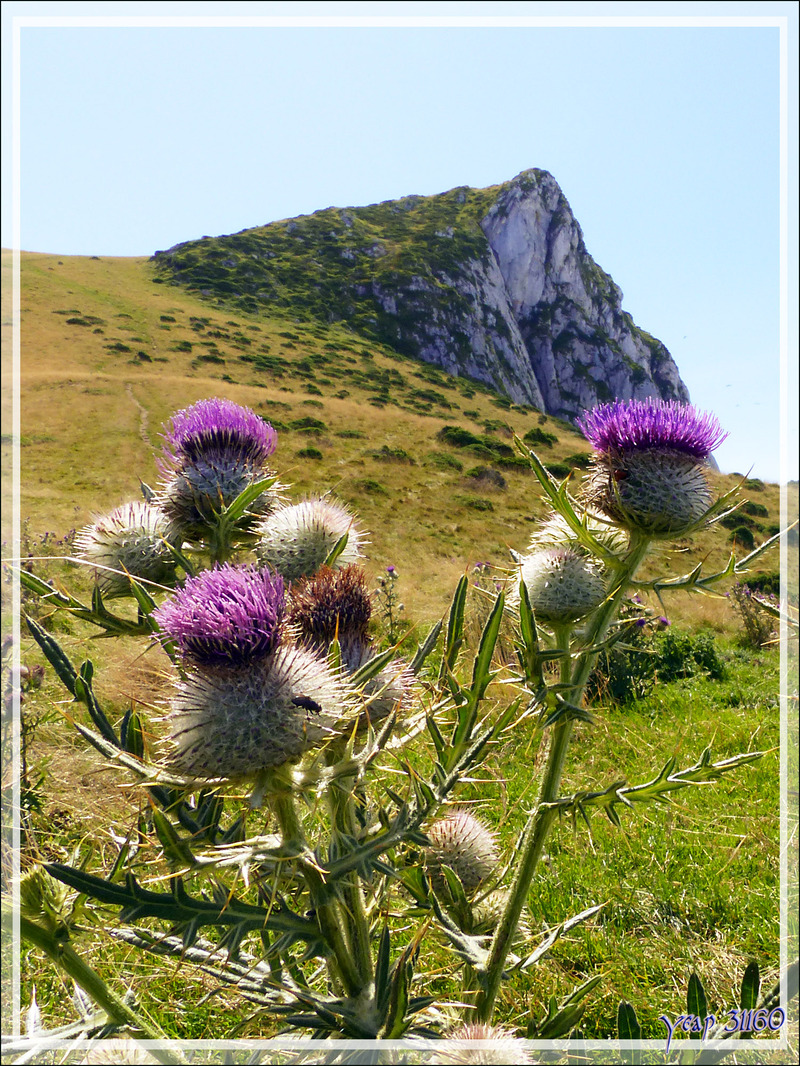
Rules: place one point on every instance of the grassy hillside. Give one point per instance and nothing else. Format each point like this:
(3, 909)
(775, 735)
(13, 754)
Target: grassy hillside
(107, 356)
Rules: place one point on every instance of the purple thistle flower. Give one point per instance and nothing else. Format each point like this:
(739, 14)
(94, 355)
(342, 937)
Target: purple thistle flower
(652, 424)
(227, 616)
(650, 463)
(218, 427)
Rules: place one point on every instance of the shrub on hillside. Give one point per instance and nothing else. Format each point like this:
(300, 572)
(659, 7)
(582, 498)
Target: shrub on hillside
(487, 477)
(541, 437)
(743, 536)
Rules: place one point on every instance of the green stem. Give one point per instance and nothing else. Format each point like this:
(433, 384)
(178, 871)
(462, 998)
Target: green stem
(532, 845)
(344, 819)
(327, 910)
(219, 548)
(92, 983)
(542, 817)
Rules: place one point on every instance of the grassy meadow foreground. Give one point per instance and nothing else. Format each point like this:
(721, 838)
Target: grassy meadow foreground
(428, 464)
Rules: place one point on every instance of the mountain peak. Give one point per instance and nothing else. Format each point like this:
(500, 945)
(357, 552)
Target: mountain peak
(494, 284)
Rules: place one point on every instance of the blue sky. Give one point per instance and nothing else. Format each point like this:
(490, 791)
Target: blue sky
(665, 140)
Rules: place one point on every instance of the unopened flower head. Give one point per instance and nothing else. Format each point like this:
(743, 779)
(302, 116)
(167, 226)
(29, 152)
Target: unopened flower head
(501, 1047)
(332, 604)
(391, 688)
(487, 912)
(297, 540)
(217, 427)
(563, 584)
(233, 722)
(131, 540)
(650, 464)
(462, 842)
(228, 615)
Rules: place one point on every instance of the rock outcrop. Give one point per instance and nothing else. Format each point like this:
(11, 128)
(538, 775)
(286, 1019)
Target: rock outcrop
(494, 284)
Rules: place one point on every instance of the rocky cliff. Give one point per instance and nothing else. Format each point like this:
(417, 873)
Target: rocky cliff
(494, 284)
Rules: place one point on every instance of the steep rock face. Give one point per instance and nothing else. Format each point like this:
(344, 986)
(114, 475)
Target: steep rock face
(494, 284)
(582, 347)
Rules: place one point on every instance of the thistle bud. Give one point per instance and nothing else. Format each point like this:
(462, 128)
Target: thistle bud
(650, 464)
(297, 540)
(556, 532)
(462, 842)
(487, 912)
(132, 541)
(503, 1048)
(563, 584)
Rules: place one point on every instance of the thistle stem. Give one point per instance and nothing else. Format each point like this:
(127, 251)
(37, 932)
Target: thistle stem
(92, 983)
(343, 817)
(328, 913)
(542, 817)
(532, 844)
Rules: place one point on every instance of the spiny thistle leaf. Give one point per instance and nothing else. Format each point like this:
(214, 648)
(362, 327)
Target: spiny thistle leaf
(80, 685)
(658, 789)
(179, 907)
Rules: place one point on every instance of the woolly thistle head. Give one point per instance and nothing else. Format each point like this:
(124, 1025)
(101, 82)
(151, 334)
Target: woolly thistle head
(131, 540)
(563, 584)
(462, 842)
(230, 615)
(216, 427)
(296, 540)
(501, 1047)
(650, 463)
(232, 722)
(392, 687)
(332, 604)
(647, 425)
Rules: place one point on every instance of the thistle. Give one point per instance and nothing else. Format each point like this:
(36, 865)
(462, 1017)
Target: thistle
(504, 1048)
(213, 451)
(336, 604)
(487, 912)
(650, 464)
(464, 844)
(131, 541)
(333, 604)
(246, 702)
(298, 539)
(556, 532)
(563, 584)
(228, 616)
(217, 426)
(233, 722)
